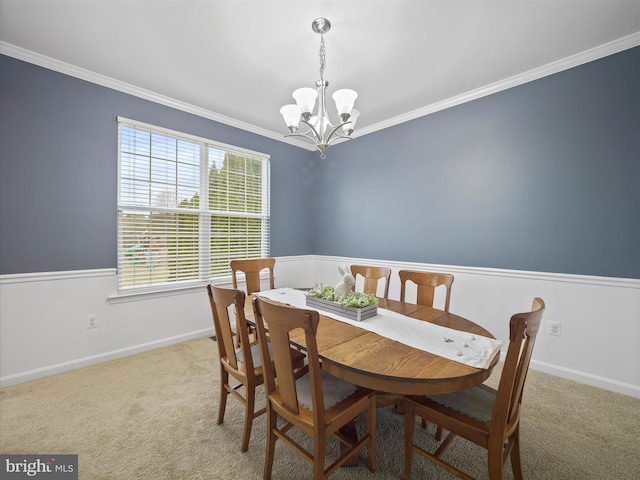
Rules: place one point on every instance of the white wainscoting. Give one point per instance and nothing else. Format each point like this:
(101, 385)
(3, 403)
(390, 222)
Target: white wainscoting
(43, 317)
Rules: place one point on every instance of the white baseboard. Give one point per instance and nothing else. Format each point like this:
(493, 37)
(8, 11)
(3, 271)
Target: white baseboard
(23, 377)
(587, 379)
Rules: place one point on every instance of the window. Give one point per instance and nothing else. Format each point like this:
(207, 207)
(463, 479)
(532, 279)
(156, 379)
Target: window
(187, 206)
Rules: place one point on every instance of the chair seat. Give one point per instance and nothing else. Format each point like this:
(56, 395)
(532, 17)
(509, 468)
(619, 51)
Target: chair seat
(476, 402)
(334, 390)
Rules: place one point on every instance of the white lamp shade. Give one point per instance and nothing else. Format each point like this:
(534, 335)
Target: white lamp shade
(291, 115)
(344, 100)
(351, 124)
(306, 99)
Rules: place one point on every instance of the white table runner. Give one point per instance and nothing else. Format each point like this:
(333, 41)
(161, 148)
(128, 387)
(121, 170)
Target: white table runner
(463, 347)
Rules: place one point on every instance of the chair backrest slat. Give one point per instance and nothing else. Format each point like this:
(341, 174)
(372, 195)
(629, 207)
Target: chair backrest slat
(371, 276)
(426, 283)
(251, 267)
(523, 329)
(281, 320)
(223, 301)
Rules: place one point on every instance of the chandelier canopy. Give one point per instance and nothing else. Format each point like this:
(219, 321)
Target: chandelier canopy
(319, 128)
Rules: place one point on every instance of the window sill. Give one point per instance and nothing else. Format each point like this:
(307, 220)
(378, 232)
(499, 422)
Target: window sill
(150, 295)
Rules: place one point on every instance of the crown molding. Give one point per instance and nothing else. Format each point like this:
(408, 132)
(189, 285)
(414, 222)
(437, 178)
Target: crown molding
(105, 81)
(587, 56)
(590, 55)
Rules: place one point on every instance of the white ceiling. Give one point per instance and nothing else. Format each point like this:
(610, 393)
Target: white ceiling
(240, 60)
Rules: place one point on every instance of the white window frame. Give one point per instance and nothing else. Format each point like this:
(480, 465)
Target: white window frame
(204, 214)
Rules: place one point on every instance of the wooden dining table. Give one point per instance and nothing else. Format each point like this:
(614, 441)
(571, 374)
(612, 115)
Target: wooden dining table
(390, 368)
(372, 361)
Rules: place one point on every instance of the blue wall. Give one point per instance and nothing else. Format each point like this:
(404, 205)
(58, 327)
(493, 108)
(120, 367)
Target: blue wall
(58, 170)
(541, 177)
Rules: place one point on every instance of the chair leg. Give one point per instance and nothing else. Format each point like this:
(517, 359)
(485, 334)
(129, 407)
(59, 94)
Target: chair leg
(495, 462)
(409, 431)
(248, 417)
(516, 463)
(319, 457)
(224, 381)
(271, 442)
(438, 434)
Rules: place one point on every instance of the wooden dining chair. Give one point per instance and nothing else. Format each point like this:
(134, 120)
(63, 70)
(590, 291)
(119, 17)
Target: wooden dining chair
(252, 268)
(242, 361)
(426, 284)
(482, 415)
(317, 403)
(372, 275)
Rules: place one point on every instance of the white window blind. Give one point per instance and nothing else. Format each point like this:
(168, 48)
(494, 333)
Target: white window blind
(187, 206)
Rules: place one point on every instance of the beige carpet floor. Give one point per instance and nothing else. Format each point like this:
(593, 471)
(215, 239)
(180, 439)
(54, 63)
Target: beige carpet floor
(153, 416)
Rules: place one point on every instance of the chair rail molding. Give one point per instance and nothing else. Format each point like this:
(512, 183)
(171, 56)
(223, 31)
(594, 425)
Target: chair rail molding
(38, 339)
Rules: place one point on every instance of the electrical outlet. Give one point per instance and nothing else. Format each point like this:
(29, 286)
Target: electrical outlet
(92, 320)
(554, 328)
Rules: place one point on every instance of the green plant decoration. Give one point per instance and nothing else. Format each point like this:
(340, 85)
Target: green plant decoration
(353, 299)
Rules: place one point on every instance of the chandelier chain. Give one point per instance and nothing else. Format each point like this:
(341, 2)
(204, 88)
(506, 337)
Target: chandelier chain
(322, 54)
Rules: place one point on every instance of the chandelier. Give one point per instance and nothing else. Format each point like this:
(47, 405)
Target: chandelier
(317, 127)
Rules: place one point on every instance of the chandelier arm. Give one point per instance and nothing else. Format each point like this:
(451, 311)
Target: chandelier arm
(344, 137)
(337, 135)
(315, 132)
(303, 136)
(307, 134)
(299, 135)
